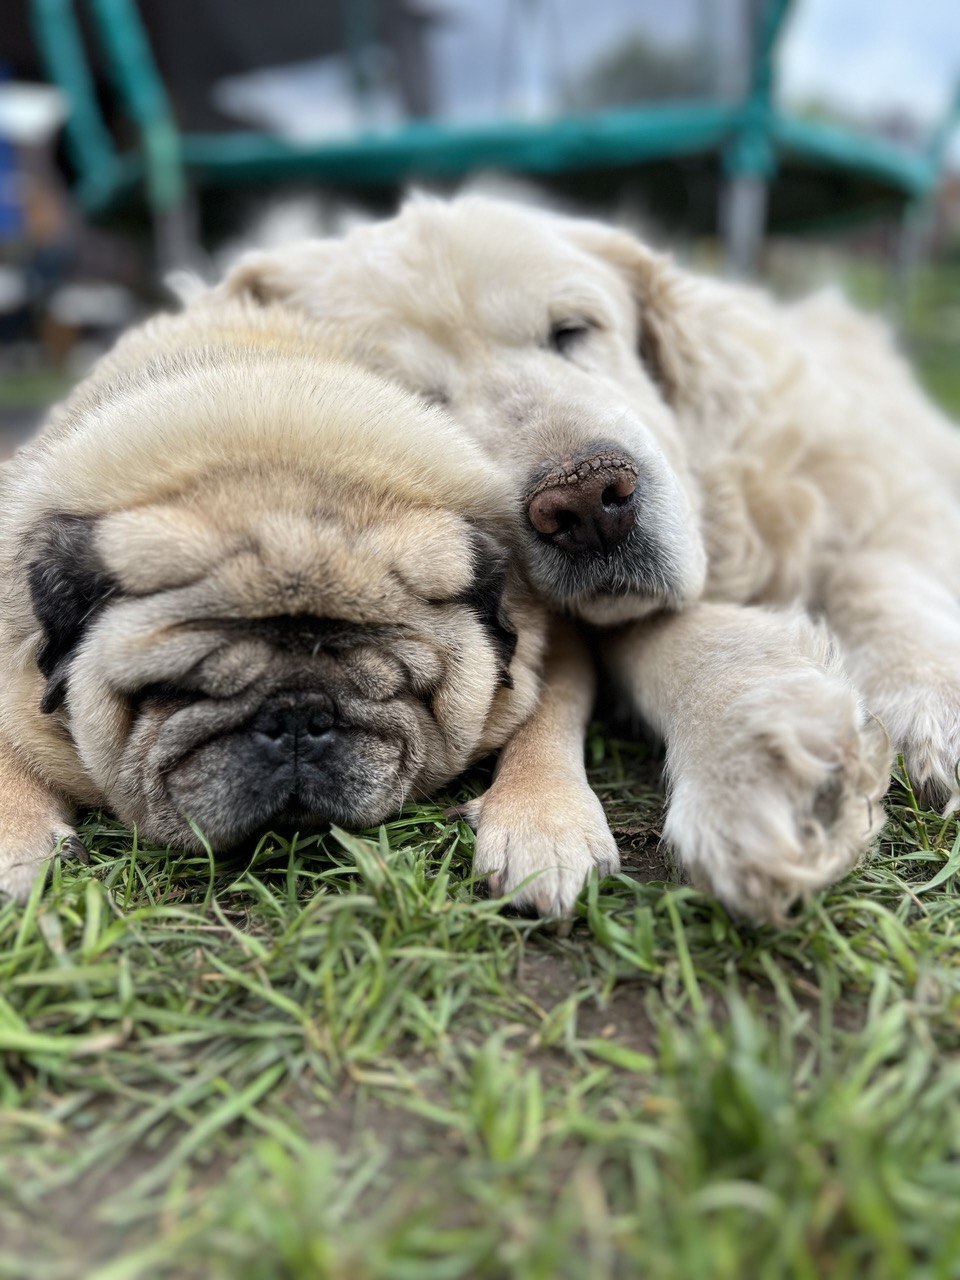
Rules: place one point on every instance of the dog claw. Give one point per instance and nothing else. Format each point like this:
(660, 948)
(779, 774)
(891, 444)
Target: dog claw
(73, 849)
(467, 812)
(495, 885)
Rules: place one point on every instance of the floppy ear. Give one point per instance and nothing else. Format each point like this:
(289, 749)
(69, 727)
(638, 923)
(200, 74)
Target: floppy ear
(688, 330)
(485, 597)
(279, 275)
(69, 585)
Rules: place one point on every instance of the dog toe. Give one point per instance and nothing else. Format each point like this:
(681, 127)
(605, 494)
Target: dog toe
(540, 851)
(798, 811)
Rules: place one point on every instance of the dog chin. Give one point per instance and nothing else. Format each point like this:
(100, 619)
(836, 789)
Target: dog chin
(641, 579)
(203, 816)
(629, 601)
(611, 611)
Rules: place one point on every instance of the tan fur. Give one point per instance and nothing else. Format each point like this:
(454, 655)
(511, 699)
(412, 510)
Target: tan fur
(233, 476)
(541, 830)
(791, 451)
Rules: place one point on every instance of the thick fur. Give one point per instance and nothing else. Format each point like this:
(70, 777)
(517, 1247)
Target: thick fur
(790, 461)
(225, 526)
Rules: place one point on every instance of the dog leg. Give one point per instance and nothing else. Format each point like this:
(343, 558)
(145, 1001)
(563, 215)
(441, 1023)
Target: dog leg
(900, 630)
(34, 825)
(540, 828)
(775, 771)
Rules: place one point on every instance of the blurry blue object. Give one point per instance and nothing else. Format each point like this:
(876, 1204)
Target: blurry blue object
(30, 115)
(11, 213)
(748, 134)
(11, 210)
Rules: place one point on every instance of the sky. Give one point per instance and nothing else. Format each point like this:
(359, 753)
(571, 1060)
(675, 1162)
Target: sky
(866, 56)
(874, 56)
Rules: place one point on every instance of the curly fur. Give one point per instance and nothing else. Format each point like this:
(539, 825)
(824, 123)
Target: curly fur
(799, 466)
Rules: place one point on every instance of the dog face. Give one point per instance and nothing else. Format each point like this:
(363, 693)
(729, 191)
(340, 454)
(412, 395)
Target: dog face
(529, 328)
(303, 626)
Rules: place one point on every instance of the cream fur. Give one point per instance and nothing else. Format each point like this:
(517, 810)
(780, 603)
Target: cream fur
(798, 465)
(233, 476)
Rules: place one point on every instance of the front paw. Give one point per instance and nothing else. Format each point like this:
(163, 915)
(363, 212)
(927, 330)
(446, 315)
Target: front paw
(22, 857)
(784, 798)
(539, 849)
(925, 726)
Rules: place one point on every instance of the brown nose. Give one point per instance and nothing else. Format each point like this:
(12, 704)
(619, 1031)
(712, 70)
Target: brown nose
(589, 506)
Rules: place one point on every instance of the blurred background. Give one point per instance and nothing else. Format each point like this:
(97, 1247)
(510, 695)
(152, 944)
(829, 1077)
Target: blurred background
(795, 141)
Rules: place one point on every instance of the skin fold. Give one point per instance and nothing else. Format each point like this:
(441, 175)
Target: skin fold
(244, 588)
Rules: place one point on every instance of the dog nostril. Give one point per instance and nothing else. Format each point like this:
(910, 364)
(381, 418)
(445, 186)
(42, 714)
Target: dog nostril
(620, 492)
(550, 513)
(317, 727)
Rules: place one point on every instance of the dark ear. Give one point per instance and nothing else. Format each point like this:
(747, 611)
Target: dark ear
(687, 324)
(68, 587)
(485, 597)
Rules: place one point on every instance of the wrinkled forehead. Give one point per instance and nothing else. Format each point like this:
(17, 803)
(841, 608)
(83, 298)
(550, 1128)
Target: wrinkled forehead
(282, 561)
(460, 274)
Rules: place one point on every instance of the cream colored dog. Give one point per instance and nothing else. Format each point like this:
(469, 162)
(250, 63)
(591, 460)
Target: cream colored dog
(246, 583)
(760, 492)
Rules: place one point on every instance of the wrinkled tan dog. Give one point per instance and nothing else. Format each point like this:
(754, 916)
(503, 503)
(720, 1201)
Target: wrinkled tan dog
(686, 453)
(246, 584)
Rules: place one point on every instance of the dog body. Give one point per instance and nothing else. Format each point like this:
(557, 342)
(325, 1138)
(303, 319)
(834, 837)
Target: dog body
(777, 514)
(244, 585)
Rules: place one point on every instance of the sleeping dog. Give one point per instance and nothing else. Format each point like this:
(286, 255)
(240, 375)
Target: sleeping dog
(754, 500)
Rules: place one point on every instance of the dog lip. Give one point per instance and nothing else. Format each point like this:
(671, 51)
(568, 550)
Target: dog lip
(292, 806)
(639, 569)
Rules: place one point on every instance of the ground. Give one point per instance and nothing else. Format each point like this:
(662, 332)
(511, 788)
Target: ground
(340, 1060)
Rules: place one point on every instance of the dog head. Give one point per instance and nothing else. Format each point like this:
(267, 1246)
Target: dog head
(557, 343)
(261, 588)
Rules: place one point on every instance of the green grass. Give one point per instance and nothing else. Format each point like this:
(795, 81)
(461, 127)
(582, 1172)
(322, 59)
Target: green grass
(933, 330)
(341, 1062)
(930, 323)
(32, 390)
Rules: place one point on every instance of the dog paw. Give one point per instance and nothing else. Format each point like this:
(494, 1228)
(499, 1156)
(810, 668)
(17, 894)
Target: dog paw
(540, 849)
(786, 797)
(925, 727)
(22, 859)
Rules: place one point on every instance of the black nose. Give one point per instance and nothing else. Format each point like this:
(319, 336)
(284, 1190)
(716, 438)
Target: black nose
(295, 761)
(293, 756)
(586, 505)
(292, 736)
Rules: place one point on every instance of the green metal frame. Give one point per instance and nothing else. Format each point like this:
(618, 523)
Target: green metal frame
(103, 174)
(750, 152)
(749, 134)
(133, 70)
(428, 148)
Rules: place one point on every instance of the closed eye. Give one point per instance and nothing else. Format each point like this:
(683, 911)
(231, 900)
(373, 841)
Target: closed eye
(164, 692)
(567, 335)
(436, 396)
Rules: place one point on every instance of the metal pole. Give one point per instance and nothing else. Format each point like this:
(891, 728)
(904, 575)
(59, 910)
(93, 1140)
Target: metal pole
(750, 160)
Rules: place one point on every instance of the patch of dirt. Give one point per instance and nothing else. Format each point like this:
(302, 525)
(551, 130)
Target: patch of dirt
(643, 857)
(86, 1238)
(63, 1233)
(634, 807)
(548, 977)
(638, 829)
